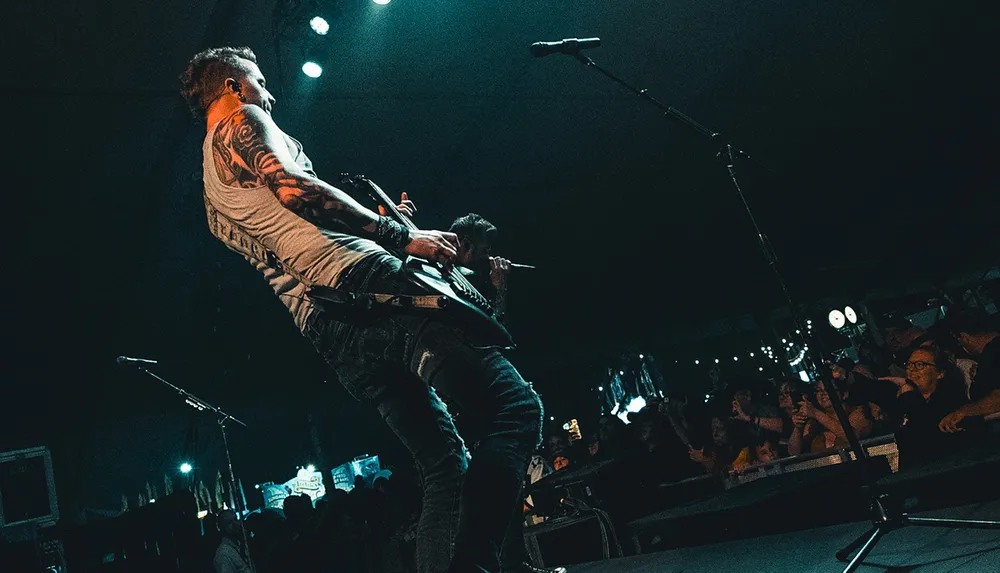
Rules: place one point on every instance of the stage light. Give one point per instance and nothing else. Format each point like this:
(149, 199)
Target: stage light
(716, 360)
(640, 357)
(600, 388)
(850, 315)
(735, 359)
(696, 362)
(761, 368)
(186, 468)
(381, 2)
(621, 372)
(637, 403)
(319, 25)
(784, 341)
(751, 355)
(552, 418)
(310, 468)
(312, 69)
(837, 319)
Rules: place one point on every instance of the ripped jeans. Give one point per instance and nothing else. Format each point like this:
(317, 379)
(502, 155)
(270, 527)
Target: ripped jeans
(400, 362)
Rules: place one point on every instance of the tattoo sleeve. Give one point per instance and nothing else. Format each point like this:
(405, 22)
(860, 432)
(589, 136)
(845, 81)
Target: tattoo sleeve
(249, 151)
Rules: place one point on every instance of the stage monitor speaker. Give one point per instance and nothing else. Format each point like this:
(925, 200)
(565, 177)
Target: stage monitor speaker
(27, 488)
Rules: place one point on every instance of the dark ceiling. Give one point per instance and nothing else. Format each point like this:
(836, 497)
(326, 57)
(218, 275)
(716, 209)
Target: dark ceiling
(873, 124)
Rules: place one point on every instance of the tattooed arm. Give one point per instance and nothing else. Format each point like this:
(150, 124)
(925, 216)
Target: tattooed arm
(249, 151)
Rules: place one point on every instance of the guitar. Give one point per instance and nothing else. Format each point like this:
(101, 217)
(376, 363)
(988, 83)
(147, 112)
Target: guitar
(461, 303)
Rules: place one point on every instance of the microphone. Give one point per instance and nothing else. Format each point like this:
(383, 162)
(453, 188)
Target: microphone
(567, 46)
(134, 361)
(520, 266)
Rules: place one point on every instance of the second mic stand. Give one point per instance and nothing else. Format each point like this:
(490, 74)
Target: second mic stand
(222, 417)
(885, 516)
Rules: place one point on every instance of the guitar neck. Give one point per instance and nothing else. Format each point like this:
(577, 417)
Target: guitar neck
(382, 198)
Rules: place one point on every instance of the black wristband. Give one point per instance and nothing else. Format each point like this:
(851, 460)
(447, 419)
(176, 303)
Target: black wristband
(391, 234)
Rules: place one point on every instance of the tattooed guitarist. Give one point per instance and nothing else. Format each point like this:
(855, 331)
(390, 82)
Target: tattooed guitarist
(265, 202)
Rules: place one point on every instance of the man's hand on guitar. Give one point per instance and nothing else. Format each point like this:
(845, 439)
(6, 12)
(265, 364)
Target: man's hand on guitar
(438, 246)
(499, 267)
(405, 207)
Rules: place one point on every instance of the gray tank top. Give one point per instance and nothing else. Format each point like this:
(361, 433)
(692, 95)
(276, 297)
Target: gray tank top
(292, 253)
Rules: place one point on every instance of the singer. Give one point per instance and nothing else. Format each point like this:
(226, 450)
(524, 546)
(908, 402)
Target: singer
(265, 202)
(475, 257)
(476, 237)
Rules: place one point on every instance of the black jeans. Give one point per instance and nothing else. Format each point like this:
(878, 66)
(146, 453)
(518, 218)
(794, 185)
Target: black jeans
(399, 362)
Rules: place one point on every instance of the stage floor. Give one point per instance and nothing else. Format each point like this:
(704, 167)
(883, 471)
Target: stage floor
(912, 548)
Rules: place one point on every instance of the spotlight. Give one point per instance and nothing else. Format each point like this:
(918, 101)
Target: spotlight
(552, 418)
(736, 359)
(716, 360)
(310, 468)
(600, 388)
(381, 2)
(186, 468)
(697, 362)
(850, 315)
(837, 319)
(640, 357)
(636, 404)
(319, 25)
(312, 69)
(760, 368)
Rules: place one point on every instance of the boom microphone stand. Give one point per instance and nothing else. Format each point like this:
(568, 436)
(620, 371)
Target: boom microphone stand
(235, 496)
(885, 517)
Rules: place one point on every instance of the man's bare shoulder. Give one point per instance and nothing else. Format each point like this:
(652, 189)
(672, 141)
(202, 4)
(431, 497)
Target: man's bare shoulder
(240, 140)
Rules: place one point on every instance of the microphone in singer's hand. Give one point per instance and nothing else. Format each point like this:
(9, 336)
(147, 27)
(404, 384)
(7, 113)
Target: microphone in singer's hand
(135, 361)
(567, 46)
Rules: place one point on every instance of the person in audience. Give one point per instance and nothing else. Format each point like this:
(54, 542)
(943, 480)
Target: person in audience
(229, 555)
(557, 450)
(613, 438)
(931, 390)
(753, 417)
(817, 428)
(861, 390)
(981, 341)
(765, 451)
(723, 454)
(790, 392)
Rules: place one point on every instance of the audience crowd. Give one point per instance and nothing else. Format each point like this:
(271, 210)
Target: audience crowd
(931, 388)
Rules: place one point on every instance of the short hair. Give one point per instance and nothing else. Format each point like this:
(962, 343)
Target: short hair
(207, 70)
(475, 227)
